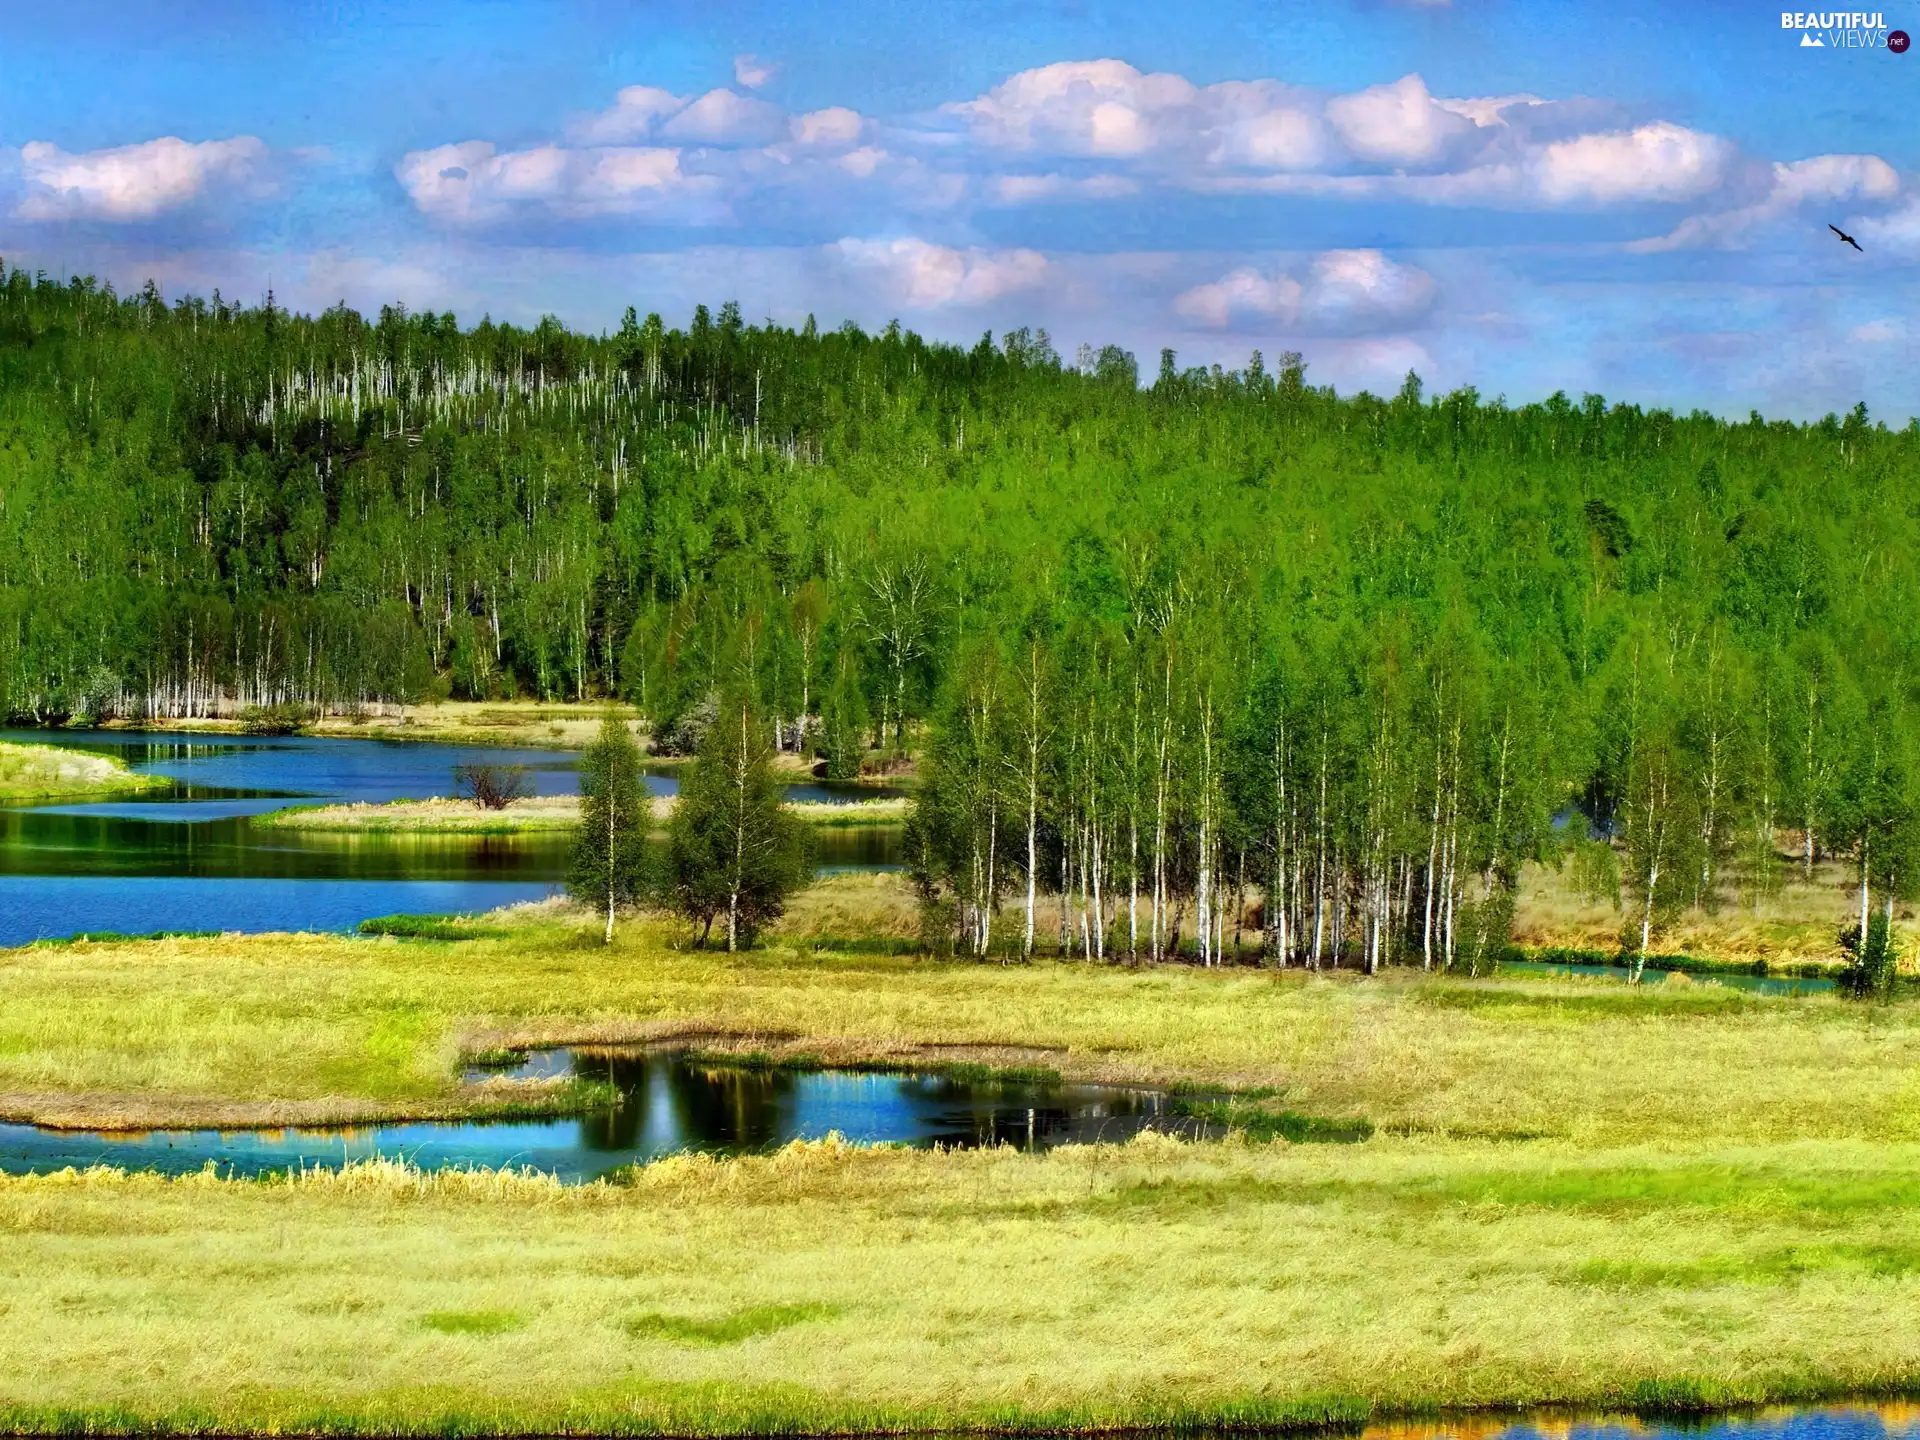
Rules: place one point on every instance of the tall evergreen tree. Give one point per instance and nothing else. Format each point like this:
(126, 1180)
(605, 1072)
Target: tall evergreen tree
(734, 853)
(609, 849)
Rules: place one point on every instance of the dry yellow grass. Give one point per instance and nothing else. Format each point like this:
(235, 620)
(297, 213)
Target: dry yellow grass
(1798, 921)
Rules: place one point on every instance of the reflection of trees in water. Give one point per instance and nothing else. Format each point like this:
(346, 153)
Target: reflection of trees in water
(672, 1103)
(229, 847)
(707, 1106)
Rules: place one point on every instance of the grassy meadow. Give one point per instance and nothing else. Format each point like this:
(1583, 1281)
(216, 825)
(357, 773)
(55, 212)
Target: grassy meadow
(832, 1288)
(1575, 1193)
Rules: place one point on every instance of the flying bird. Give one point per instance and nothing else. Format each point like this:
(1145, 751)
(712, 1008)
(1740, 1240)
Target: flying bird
(1846, 237)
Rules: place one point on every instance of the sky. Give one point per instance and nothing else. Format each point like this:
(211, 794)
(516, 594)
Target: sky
(1622, 198)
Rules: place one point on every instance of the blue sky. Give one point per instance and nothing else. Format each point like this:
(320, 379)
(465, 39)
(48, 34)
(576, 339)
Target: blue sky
(1625, 198)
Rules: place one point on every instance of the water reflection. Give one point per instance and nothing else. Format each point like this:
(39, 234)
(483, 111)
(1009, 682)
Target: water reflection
(668, 1103)
(1866, 1421)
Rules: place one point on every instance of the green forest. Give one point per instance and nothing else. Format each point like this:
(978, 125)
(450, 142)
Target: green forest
(1155, 648)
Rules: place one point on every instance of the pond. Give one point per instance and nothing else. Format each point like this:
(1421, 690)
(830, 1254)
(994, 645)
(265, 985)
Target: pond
(668, 1102)
(190, 857)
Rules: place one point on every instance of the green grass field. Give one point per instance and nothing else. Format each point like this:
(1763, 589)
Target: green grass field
(1575, 1193)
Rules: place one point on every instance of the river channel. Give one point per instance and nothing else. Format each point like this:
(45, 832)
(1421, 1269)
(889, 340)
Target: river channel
(191, 857)
(668, 1102)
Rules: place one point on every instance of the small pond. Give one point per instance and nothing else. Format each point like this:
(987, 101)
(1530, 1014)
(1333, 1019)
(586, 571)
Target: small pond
(668, 1102)
(190, 857)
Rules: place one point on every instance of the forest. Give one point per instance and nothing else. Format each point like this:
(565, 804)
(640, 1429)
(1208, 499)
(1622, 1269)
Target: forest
(1217, 661)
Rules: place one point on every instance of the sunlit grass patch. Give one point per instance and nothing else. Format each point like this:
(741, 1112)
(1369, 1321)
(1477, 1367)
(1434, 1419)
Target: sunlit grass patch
(473, 1322)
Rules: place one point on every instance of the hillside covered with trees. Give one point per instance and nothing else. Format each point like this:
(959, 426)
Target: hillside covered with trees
(1158, 648)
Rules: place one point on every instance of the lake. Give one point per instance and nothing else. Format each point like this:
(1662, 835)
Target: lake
(669, 1102)
(190, 858)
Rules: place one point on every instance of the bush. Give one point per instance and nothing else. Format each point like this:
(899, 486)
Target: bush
(286, 718)
(492, 787)
(1871, 968)
(683, 734)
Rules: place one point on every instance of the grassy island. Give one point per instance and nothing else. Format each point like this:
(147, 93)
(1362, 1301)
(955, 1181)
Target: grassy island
(441, 816)
(54, 772)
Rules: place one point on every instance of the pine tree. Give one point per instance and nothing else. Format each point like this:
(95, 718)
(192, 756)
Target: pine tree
(609, 858)
(733, 853)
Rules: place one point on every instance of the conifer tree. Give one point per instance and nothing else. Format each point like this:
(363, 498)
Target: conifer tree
(608, 865)
(733, 853)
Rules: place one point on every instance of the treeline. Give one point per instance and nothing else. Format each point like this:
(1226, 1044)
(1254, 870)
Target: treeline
(1227, 660)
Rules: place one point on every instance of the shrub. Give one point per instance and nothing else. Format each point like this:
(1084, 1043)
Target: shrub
(1870, 969)
(286, 718)
(492, 787)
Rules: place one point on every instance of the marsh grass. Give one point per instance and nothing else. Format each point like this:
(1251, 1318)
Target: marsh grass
(1260, 1123)
(431, 927)
(829, 1287)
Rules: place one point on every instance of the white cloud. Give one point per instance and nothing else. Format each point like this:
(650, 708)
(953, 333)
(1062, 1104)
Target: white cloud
(863, 162)
(1270, 137)
(1241, 293)
(1027, 189)
(1398, 124)
(1875, 332)
(1660, 161)
(720, 117)
(752, 72)
(472, 182)
(1899, 230)
(836, 127)
(1389, 141)
(1791, 186)
(632, 116)
(1077, 107)
(132, 182)
(1836, 177)
(1346, 292)
(924, 276)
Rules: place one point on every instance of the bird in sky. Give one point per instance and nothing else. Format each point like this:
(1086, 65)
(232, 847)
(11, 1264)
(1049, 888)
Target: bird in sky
(1846, 237)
